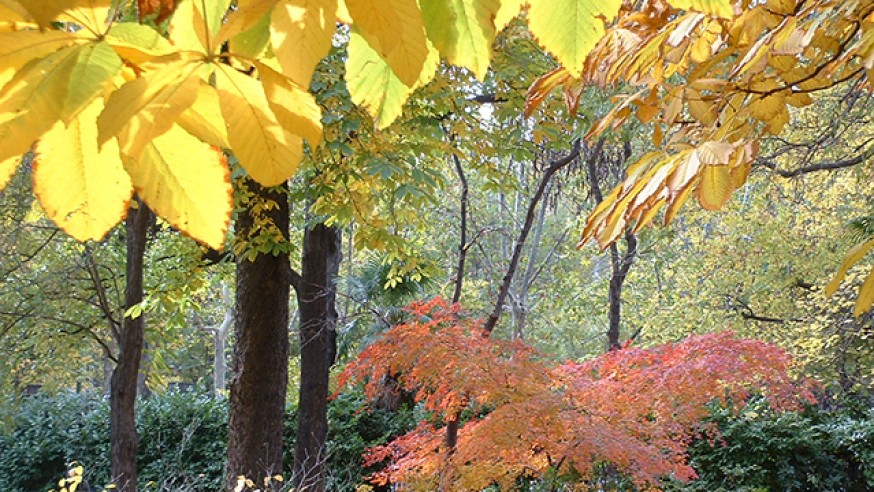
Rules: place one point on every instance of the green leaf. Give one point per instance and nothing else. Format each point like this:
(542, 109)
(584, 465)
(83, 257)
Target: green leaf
(462, 30)
(569, 29)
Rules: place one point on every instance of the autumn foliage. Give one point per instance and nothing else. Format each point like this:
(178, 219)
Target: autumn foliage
(636, 409)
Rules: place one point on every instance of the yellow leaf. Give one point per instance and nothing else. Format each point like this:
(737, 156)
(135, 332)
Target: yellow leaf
(195, 24)
(12, 11)
(714, 153)
(46, 11)
(462, 31)
(866, 296)
(569, 29)
(33, 100)
(767, 107)
(714, 189)
(373, 84)
(508, 11)
(92, 15)
(252, 43)
(85, 191)
(20, 47)
(676, 203)
(147, 107)
(95, 64)
(268, 153)
(7, 169)
(720, 8)
(204, 119)
(137, 43)
(395, 31)
(295, 108)
(853, 256)
(301, 33)
(187, 183)
(247, 14)
(542, 87)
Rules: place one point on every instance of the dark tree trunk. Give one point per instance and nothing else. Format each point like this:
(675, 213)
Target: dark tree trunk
(123, 430)
(260, 365)
(620, 264)
(316, 296)
(553, 167)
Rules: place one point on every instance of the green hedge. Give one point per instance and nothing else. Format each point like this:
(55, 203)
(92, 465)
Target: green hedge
(761, 450)
(183, 439)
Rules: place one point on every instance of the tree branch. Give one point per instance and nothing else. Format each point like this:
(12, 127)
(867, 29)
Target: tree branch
(554, 166)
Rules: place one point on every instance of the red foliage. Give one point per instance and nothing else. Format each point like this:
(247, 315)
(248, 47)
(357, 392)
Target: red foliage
(634, 408)
(164, 8)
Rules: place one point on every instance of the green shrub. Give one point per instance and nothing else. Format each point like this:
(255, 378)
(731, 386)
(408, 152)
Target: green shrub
(48, 432)
(182, 446)
(183, 440)
(761, 450)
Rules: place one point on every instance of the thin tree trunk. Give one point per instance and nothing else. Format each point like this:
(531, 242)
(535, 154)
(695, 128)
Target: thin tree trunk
(260, 365)
(554, 166)
(620, 264)
(123, 430)
(316, 296)
(220, 336)
(462, 240)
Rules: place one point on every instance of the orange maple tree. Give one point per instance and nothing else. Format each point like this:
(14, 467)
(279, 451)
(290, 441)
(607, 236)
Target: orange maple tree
(636, 409)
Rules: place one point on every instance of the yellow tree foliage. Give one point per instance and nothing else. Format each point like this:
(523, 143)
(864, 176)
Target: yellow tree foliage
(711, 81)
(713, 75)
(232, 76)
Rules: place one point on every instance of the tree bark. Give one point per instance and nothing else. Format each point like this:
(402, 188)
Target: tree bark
(316, 295)
(260, 358)
(123, 430)
(620, 264)
(554, 167)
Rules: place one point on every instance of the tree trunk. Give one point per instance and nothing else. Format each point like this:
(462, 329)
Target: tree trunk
(316, 295)
(123, 429)
(220, 336)
(260, 372)
(553, 167)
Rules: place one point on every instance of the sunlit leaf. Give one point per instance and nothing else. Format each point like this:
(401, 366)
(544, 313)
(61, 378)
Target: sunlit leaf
(247, 14)
(7, 169)
(395, 31)
(509, 9)
(301, 33)
(569, 29)
(373, 84)
(146, 107)
(295, 108)
(137, 43)
(83, 189)
(462, 31)
(204, 119)
(266, 151)
(187, 183)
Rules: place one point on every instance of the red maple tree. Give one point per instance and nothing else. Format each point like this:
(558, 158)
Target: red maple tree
(636, 409)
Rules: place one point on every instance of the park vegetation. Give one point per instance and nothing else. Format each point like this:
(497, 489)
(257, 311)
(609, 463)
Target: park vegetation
(476, 205)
